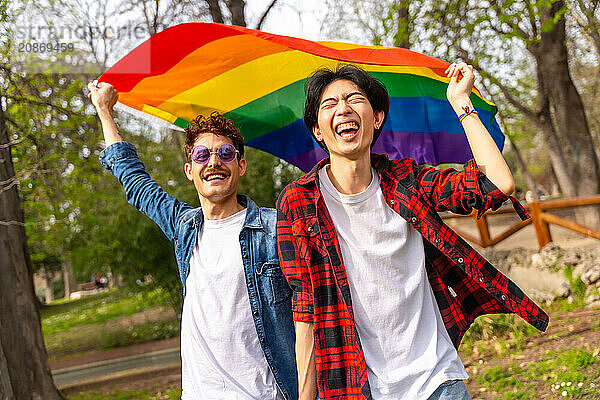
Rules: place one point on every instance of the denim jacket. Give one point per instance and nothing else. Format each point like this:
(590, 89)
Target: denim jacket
(268, 291)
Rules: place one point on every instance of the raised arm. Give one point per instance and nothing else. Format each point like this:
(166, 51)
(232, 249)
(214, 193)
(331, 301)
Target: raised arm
(121, 159)
(487, 155)
(104, 97)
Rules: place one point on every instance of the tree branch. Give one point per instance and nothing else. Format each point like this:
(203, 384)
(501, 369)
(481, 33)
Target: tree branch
(514, 26)
(9, 144)
(40, 103)
(264, 16)
(532, 20)
(591, 24)
(505, 91)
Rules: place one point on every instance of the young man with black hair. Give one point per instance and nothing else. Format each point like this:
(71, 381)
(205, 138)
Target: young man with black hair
(383, 289)
(237, 333)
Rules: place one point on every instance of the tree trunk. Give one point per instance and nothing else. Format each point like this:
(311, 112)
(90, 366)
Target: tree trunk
(531, 185)
(215, 11)
(236, 8)
(556, 153)
(24, 371)
(48, 278)
(569, 114)
(66, 270)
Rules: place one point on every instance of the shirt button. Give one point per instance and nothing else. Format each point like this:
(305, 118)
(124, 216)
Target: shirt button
(414, 219)
(460, 260)
(392, 202)
(480, 279)
(310, 229)
(255, 313)
(503, 297)
(438, 240)
(249, 284)
(244, 254)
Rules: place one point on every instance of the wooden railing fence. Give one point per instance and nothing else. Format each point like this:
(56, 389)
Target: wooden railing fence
(539, 218)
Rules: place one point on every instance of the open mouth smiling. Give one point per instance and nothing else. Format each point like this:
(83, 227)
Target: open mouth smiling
(347, 130)
(215, 176)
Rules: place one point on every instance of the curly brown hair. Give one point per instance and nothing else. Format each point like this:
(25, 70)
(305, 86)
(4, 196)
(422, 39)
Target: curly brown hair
(216, 124)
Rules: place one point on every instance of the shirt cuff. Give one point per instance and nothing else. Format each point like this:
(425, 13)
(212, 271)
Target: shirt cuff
(303, 317)
(302, 311)
(479, 184)
(116, 151)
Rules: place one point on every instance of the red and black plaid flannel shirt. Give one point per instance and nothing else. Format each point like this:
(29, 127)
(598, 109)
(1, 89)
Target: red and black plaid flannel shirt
(465, 285)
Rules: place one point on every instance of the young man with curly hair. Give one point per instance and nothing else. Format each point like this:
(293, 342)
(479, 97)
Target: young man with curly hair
(237, 334)
(383, 289)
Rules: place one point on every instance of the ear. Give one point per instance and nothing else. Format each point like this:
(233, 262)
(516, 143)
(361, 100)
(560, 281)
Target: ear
(317, 133)
(379, 117)
(188, 171)
(242, 163)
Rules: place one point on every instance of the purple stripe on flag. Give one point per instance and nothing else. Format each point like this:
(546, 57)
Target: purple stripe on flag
(424, 148)
(305, 161)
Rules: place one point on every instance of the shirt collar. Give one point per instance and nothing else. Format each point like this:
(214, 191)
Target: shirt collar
(380, 162)
(253, 219)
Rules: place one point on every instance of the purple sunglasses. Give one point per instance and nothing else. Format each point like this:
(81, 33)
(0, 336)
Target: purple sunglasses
(226, 153)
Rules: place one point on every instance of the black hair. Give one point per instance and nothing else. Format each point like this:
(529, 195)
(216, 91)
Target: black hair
(315, 85)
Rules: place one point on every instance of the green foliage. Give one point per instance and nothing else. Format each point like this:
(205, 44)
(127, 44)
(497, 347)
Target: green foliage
(266, 177)
(500, 379)
(577, 285)
(563, 305)
(570, 372)
(98, 308)
(498, 334)
(75, 212)
(566, 369)
(106, 320)
(139, 334)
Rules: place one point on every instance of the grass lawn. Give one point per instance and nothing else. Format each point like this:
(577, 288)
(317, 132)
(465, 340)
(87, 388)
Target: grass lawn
(566, 373)
(167, 394)
(105, 320)
(505, 357)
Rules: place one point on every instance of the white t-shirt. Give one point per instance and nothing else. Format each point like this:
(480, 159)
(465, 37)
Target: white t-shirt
(407, 348)
(220, 351)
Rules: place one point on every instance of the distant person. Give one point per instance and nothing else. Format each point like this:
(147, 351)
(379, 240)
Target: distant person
(237, 333)
(383, 289)
(99, 281)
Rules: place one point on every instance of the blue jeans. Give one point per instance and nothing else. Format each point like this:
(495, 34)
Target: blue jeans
(453, 390)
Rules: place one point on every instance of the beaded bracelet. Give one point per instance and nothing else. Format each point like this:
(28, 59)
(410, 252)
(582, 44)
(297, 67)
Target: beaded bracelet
(468, 111)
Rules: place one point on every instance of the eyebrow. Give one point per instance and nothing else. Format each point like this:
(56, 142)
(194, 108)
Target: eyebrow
(344, 96)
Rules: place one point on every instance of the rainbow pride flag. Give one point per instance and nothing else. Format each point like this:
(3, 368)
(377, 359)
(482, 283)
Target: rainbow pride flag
(257, 80)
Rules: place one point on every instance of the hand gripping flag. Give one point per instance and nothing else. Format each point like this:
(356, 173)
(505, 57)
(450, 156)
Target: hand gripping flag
(257, 80)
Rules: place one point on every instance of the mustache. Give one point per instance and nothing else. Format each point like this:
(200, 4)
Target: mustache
(215, 171)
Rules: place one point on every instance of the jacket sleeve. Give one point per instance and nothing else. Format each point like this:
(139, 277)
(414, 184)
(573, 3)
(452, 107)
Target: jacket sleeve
(461, 191)
(293, 265)
(142, 192)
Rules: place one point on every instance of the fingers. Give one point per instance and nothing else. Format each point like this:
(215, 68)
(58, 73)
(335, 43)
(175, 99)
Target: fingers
(457, 69)
(95, 85)
(92, 89)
